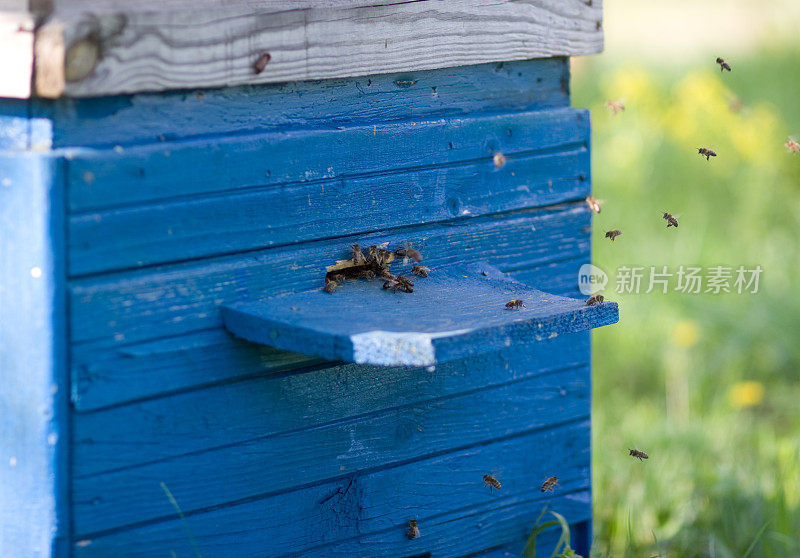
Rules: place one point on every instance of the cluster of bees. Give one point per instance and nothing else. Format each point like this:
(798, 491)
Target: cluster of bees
(375, 265)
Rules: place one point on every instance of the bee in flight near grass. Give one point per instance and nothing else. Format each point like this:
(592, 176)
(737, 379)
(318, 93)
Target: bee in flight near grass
(593, 204)
(615, 107)
(491, 482)
(549, 484)
(792, 145)
(640, 455)
(613, 234)
(707, 153)
(512, 304)
(672, 220)
(596, 299)
(723, 65)
(413, 529)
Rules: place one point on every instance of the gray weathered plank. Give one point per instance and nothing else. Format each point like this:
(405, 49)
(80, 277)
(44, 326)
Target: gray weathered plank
(158, 49)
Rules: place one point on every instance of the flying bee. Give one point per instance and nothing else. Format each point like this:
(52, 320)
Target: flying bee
(613, 234)
(792, 145)
(615, 107)
(593, 204)
(723, 65)
(420, 270)
(638, 454)
(515, 304)
(499, 160)
(358, 257)
(491, 482)
(413, 530)
(330, 286)
(407, 252)
(704, 151)
(549, 484)
(596, 299)
(672, 220)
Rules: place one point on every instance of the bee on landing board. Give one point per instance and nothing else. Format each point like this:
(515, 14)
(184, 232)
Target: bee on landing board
(596, 299)
(549, 484)
(792, 145)
(672, 220)
(638, 454)
(723, 65)
(413, 529)
(515, 304)
(615, 107)
(593, 204)
(704, 151)
(613, 234)
(420, 270)
(491, 482)
(330, 286)
(358, 256)
(399, 283)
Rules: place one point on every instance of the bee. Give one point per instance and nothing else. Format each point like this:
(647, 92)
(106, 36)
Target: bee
(593, 204)
(262, 62)
(792, 145)
(512, 304)
(723, 65)
(491, 482)
(615, 107)
(372, 254)
(420, 270)
(408, 252)
(706, 152)
(330, 286)
(549, 484)
(358, 256)
(413, 530)
(366, 274)
(613, 234)
(499, 160)
(672, 221)
(638, 454)
(596, 299)
(399, 283)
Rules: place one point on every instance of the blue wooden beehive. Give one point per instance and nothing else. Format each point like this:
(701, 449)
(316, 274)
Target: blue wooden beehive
(173, 186)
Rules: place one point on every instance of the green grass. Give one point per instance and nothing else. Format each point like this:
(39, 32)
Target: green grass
(723, 478)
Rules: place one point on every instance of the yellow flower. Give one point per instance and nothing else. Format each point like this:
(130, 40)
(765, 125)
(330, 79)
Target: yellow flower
(746, 394)
(685, 334)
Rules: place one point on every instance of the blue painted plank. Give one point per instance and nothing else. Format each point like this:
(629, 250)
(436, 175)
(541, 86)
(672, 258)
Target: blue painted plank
(296, 458)
(457, 311)
(136, 119)
(14, 128)
(149, 304)
(33, 398)
(125, 176)
(235, 412)
(435, 490)
(273, 216)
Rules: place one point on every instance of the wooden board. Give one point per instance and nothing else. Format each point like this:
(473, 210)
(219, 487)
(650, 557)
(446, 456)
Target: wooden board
(33, 398)
(458, 310)
(16, 51)
(132, 49)
(445, 494)
(128, 120)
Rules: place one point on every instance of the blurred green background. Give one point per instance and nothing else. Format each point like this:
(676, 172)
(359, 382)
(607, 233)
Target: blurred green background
(707, 384)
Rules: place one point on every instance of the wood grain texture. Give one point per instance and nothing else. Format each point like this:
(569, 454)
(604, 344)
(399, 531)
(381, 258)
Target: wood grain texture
(124, 177)
(457, 311)
(187, 229)
(135, 306)
(116, 375)
(127, 120)
(175, 49)
(319, 396)
(514, 454)
(444, 493)
(33, 398)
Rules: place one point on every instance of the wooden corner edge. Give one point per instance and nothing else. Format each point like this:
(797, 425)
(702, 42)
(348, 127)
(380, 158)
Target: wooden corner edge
(48, 60)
